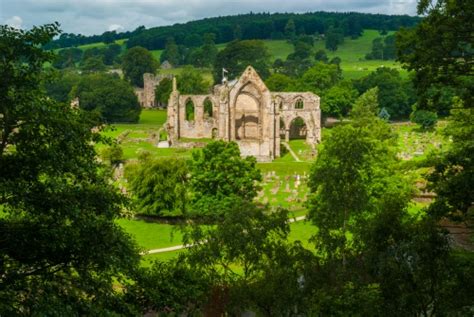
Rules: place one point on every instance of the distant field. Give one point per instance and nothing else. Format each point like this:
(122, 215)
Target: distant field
(351, 52)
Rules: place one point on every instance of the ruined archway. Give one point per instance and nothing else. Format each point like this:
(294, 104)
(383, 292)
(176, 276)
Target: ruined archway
(208, 108)
(189, 107)
(247, 114)
(298, 129)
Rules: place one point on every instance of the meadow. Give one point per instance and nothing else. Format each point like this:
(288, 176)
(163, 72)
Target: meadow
(280, 185)
(352, 53)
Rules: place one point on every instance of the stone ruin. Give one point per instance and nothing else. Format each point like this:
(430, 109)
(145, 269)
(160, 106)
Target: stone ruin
(146, 95)
(246, 112)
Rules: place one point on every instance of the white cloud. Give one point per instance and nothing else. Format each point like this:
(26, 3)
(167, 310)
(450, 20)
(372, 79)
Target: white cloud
(115, 27)
(15, 22)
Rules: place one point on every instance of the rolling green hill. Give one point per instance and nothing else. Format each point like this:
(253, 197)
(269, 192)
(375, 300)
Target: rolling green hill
(352, 53)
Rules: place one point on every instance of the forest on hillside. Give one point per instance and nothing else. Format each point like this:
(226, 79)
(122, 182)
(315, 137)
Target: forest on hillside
(245, 26)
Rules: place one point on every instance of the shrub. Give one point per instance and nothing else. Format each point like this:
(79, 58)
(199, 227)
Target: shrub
(426, 119)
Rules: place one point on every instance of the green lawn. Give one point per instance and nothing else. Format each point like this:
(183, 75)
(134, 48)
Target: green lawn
(151, 235)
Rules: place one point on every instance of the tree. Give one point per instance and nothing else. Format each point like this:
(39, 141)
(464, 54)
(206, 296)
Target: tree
(111, 54)
(60, 85)
(393, 91)
(321, 56)
(453, 171)
(190, 81)
(426, 119)
(168, 288)
(290, 29)
(338, 100)
(93, 64)
(112, 154)
(136, 62)
(171, 53)
(219, 174)
(448, 24)
(237, 32)
(321, 77)
(260, 270)
(67, 58)
(377, 49)
(109, 37)
(163, 91)
(279, 82)
(62, 252)
(367, 105)
(237, 55)
(302, 50)
(108, 95)
(209, 50)
(159, 186)
(333, 37)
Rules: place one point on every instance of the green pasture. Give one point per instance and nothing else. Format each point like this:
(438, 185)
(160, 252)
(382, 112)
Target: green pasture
(152, 235)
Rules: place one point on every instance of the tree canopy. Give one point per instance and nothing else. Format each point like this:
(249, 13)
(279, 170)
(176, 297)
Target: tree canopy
(109, 96)
(136, 62)
(61, 250)
(237, 55)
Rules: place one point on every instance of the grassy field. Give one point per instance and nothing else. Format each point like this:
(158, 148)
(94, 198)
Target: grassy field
(352, 53)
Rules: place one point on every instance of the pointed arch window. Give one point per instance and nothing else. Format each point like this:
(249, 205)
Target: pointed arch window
(299, 104)
(189, 110)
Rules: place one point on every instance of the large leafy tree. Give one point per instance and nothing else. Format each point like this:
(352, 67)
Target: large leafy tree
(247, 258)
(393, 93)
(321, 77)
(237, 55)
(108, 95)
(159, 185)
(440, 50)
(191, 81)
(136, 62)
(338, 100)
(219, 175)
(60, 249)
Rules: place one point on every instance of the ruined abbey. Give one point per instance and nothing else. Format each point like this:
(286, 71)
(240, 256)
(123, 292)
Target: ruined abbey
(245, 111)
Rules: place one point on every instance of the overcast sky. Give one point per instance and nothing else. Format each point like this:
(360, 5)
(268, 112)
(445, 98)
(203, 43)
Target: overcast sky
(97, 16)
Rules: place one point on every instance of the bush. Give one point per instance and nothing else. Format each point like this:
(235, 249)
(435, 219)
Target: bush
(108, 95)
(112, 154)
(426, 119)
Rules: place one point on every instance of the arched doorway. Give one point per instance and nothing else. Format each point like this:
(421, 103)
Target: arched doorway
(298, 129)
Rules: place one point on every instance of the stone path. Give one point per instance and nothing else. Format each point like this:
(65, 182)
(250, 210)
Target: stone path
(297, 159)
(179, 247)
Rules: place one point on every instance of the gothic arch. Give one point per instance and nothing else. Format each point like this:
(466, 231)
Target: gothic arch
(298, 129)
(247, 112)
(208, 108)
(190, 109)
(299, 103)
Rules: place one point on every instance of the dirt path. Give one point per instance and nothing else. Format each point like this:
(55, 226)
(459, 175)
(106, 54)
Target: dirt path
(297, 159)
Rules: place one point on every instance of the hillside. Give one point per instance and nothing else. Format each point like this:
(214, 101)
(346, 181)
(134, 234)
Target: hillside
(246, 26)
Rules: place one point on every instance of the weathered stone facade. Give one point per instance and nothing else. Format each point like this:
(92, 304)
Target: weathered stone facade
(246, 112)
(146, 95)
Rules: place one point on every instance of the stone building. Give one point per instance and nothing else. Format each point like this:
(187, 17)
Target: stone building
(146, 95)
(246, 112)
